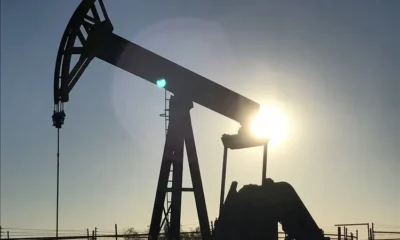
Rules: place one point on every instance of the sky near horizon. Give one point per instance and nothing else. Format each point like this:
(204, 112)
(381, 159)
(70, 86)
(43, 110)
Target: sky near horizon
(331, 67)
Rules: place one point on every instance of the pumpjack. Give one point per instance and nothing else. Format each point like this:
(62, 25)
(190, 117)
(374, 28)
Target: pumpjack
(251, 213)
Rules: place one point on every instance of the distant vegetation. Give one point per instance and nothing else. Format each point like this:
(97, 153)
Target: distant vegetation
(192, 234)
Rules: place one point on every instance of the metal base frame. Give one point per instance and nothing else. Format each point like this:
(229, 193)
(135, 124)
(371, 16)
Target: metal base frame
(180, 133)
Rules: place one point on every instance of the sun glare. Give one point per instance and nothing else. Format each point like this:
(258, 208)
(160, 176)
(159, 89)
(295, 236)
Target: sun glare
(270, 123)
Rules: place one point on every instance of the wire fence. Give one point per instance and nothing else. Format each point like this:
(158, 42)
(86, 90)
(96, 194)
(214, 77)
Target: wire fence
(192, 235)
(380, 232)
(184, 236)
(386, 235)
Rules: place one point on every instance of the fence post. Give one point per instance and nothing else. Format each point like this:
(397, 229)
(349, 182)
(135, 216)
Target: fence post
(116, 232)
(357, 234)
(339, 233)
(373, 232)
(93, 234)
(8, 235)
(87, 233)
(370, 233)
(351, 236)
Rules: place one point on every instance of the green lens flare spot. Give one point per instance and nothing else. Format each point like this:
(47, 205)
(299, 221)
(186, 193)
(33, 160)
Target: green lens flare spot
(161, 83)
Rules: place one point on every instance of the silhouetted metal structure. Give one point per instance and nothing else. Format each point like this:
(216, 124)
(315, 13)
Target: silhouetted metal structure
(239, 141)
(355, 224)
(254, 210)
(167, 206)
(88, 35)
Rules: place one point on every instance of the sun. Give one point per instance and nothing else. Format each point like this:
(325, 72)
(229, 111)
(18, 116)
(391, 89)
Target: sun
(270, 123)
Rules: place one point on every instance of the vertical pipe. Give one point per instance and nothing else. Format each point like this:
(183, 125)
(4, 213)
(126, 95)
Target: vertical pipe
(116, 232)
(58, 178)
(165, 112)
(224, 162)
(264, 168)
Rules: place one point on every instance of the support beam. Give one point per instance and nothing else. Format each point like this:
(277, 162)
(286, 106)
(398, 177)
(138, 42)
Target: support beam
(224, 162)
(180, 132)
(264, 167)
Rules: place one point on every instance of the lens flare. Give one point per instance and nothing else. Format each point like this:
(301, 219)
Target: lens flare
(161, 83)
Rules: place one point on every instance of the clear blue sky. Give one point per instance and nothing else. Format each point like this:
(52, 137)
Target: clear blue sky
(331, 66)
